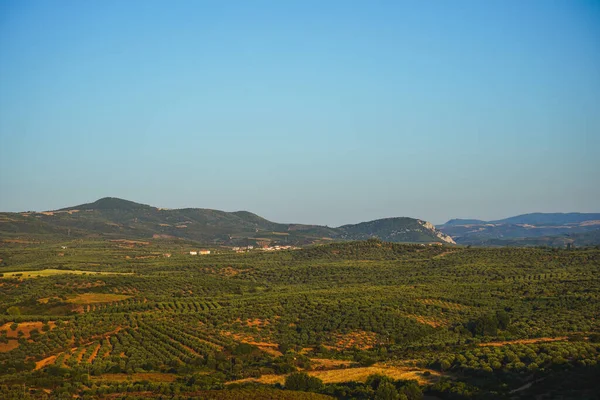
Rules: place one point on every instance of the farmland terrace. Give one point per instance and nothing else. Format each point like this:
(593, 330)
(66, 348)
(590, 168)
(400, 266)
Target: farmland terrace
(97, 319)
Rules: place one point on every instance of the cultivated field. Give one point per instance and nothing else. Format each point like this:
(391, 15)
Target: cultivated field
(142, 318)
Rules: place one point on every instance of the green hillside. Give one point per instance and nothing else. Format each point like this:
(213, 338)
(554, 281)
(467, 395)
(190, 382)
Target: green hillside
(116, 218)
(390, 229)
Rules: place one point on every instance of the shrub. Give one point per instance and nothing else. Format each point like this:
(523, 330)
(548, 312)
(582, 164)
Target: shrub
(303, 382)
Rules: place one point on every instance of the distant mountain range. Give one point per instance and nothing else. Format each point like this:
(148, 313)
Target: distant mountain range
(536, 229)
(122, 219)
(117, 218)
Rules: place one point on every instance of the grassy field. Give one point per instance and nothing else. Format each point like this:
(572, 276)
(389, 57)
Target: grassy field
(92, 298)
(52, 272)
(358, 374)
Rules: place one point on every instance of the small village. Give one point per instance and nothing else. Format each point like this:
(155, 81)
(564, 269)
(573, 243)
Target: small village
(245, 249)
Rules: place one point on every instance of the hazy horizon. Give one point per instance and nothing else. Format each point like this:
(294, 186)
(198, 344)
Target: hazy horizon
(303, 112)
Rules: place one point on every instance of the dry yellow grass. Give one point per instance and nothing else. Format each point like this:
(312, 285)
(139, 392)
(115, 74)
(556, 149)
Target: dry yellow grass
(359, 374)
(91, 298)
(326, 363)
(146, 376)
(51, 272)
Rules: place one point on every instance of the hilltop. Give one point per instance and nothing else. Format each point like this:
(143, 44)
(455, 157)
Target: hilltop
(394, 230)
(535, 229)
(117, 218)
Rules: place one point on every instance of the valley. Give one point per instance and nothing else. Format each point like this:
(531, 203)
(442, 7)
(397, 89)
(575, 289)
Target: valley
(340, 320)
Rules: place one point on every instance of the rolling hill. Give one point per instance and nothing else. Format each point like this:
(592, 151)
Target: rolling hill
(535, 229)
(117, 218)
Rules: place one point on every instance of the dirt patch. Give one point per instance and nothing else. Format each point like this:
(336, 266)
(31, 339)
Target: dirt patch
(65, 359)
(26, 328)
(46, 361)
(256, 322)
(80, 355)
(94, 354)
(267, 347)
(359, 339)
(11, 345)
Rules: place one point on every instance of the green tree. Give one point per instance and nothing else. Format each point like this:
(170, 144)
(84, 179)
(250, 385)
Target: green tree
(503, 319)
(303, 382)
(386, 391)
(412, 391)
(14, 310)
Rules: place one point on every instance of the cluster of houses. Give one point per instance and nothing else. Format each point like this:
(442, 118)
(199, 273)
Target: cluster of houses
(201, 252)
(244, 249)
(276, 248)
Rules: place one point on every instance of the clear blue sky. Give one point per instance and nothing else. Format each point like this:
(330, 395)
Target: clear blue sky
(326, 112)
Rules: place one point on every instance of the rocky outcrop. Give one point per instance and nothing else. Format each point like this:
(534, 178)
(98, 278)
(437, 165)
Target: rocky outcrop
(442, 236)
